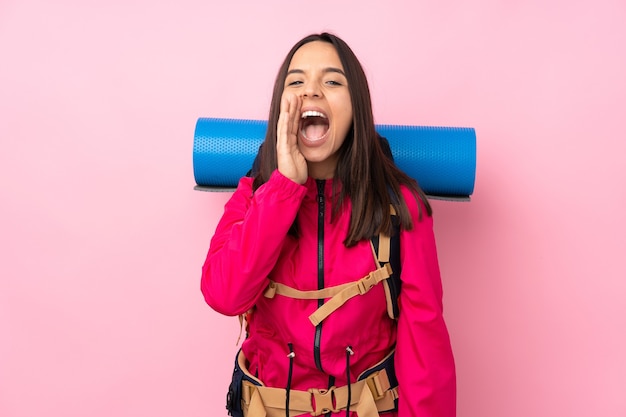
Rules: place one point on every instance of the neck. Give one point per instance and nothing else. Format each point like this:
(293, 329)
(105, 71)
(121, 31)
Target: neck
(324, 170)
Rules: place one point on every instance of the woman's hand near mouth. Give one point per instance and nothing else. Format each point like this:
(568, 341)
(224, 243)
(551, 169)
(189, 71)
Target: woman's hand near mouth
(291, 162)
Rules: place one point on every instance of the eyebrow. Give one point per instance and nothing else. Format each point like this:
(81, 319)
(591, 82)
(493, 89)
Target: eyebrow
(325, 70)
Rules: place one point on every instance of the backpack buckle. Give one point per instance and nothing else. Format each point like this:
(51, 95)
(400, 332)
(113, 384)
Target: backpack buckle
(322, 401)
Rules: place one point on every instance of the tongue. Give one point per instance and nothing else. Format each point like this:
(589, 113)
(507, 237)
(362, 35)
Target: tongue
(315, 131)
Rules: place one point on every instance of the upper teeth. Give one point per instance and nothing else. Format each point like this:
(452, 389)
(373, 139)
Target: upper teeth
(310, 113)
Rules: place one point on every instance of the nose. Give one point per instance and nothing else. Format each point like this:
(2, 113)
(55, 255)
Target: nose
(311, 89)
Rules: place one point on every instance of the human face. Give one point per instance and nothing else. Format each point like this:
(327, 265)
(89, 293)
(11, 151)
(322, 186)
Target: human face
(316, 75)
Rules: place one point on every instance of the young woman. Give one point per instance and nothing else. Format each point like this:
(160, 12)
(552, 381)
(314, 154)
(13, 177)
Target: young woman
(302, 252)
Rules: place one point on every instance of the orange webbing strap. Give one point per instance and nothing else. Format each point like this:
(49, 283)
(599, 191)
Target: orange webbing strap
(277, 288)
(368, 397)
(384, 248)
(242, 318)
(384, 243)
(383, 256)
(338, 295)
(359, 287)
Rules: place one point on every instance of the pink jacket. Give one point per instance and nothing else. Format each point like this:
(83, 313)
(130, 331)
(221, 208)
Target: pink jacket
(251, 245)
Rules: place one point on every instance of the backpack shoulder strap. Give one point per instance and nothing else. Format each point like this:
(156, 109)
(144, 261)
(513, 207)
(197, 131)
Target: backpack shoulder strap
(387, 250)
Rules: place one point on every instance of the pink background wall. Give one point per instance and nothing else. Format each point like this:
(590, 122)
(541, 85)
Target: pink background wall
(102, 236)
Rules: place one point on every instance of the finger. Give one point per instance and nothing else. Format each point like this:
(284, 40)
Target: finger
(282, 131)
(282, 127)
(294, 114)
(292, 110)
(297, 113)
(284, 103)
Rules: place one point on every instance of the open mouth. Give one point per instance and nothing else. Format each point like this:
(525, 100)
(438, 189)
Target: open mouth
(314, 125)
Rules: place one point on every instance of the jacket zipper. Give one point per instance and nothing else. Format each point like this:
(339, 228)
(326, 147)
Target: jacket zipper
(320, 269)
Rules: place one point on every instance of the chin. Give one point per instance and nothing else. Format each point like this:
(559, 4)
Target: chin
(315, 157)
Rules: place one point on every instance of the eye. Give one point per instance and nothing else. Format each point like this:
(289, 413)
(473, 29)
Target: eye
(333, 83)
(293, 83)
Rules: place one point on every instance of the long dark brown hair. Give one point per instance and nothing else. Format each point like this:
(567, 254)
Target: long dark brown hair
(367, 176)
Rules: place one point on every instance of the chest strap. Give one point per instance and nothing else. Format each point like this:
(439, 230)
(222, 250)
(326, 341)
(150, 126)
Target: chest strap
(337, 295)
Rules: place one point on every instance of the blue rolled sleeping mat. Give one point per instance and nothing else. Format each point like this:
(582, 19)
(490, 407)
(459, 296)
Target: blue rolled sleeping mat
(441, 159)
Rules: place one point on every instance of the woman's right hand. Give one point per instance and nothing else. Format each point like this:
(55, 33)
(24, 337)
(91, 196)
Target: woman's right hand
(291, 162)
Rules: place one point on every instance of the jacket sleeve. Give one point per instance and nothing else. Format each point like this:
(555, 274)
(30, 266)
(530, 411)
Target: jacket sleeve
(247, 242)
(424, 361)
